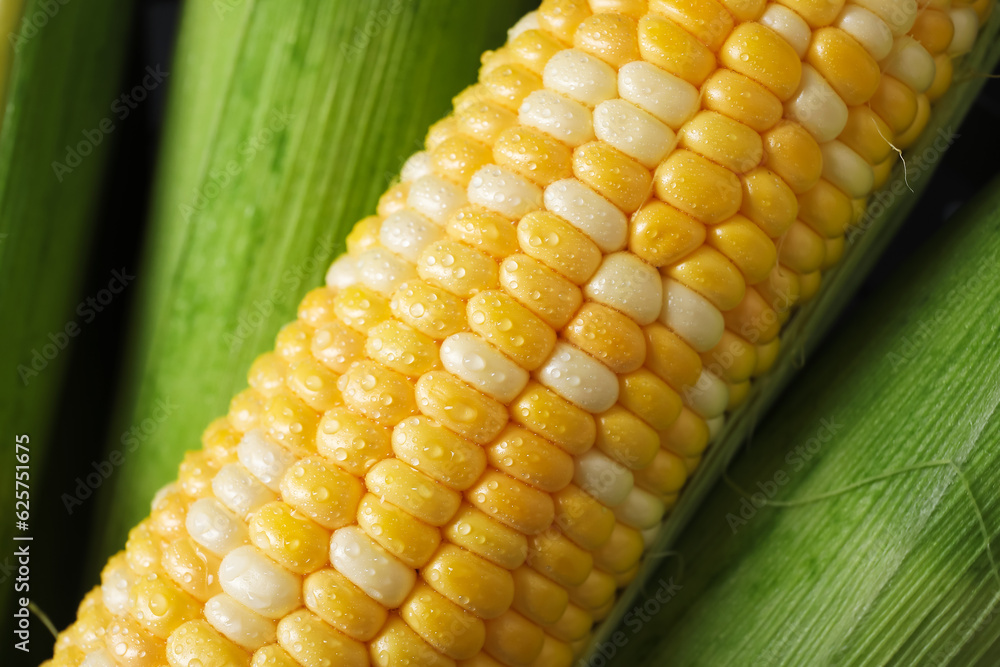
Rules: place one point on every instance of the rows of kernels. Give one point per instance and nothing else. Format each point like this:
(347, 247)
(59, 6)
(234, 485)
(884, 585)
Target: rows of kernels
(402, 266)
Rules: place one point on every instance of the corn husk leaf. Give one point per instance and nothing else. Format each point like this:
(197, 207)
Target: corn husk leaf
(287, 121)
(59, 76)
(805, 331)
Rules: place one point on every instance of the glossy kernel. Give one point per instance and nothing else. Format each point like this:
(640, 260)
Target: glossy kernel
(608, 336)
(661, 234)
(704, 190)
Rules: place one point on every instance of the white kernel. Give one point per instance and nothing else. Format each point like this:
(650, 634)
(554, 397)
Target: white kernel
(715, 425)
(691, 316)
(214, 527)
(502, 191)
(671, 99)
(383, 271)
(370, 567)
(589, 212)
(709, 396)
(580, 76)
(407, 233)
(238, 623)
(817, 106)
(557, 116)
(608, 481)
(870, 31)
(966, 23)
(470, 358)
(638, 134)
(911, 63)
(239, 490)
(640, 510)
(99, 658)
(629, 285)
(263, 458)
(898, 15)
(417, 165)
(579, 378)
(259, 583)
(847, 170)
(342, 273)
(435, 197)
(116, 587)
(527, 22)
(650, 534)
(792, 28)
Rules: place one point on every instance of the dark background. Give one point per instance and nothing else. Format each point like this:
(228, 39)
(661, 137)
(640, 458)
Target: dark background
(93, 372)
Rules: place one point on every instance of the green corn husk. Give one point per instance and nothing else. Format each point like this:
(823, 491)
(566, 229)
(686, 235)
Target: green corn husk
(59, 77)
(886, 449)
(348, 89)
(886, 213)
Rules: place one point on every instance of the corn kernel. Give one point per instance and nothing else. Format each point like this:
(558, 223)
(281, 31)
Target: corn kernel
(478, 533)
(484, 230)
(649, 397)
(610, 37)
(511, 502)
(666, 45)
(469, 581)
(559, 245)
(742, 99)
(626, 438)
(411, 490)
(438, 452)
(525, 456)
(533, 154)
(561, 18)
(510, 327)
(398, 646)
(704, 190)
(398, 532)
(512, 639)
(311, 642)
(538, 598)
(582, 518)
(443, 624)
(760, 54)
(455, 405)
(332, 597)
(608, 336)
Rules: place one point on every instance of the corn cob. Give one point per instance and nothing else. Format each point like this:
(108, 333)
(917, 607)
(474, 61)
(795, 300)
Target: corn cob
(460, 448)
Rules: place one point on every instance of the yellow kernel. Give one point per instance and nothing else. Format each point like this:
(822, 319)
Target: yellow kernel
(745, 245)
(665, 44)
(484, 230)
(351, 441)
(704, 190)
(761, 54)
(398, 532)
(547, 414)
(382, 395)
(610, 37)
(607, 335)
(845, 64)
(326, 494)
(792, 153)
(469, 581)
(457, 406)
(533, 154)
(331, 596)
(620, 179)
(661, 234)
(741, 98)
(669, 357)
(582, 518)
